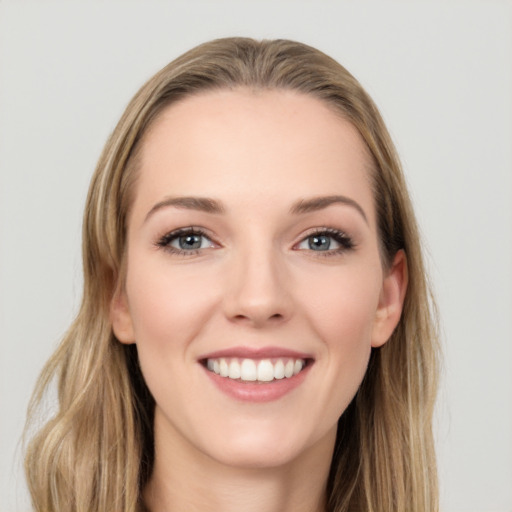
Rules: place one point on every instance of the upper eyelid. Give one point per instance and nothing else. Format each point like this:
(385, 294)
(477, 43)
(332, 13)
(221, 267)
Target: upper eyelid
(165, 239)
(324, 230)
(189, 229)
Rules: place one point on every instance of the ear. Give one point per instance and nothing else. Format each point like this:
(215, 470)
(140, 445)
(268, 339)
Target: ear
(120, 317)
(391, 300)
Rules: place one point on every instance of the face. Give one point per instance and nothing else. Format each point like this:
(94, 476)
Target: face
(254, 287)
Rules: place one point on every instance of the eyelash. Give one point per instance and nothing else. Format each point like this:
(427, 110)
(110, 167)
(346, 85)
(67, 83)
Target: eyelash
(165, 241)
(345, 241)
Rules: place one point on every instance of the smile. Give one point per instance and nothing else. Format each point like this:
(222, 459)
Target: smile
(257, 375)
(256, 370)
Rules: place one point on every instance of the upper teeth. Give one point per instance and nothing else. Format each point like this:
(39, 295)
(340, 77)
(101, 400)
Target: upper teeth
(263, 370)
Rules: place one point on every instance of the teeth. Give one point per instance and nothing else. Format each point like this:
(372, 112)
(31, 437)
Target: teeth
(288, 369)
(223, 368)
(248, 370)
(297, 367)
(264, 370)
(279, 370)
(234, 370)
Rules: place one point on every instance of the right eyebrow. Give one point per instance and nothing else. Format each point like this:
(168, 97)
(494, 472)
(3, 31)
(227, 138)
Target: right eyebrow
(202, 204)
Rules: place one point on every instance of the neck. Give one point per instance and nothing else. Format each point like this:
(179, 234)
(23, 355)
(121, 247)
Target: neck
(184, 483)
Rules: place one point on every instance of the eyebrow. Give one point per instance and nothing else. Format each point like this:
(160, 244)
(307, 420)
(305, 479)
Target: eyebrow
(319, 203)
(202, 204)
(209, 205)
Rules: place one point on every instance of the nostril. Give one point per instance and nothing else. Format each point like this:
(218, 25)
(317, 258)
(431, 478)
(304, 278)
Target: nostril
(276, 317)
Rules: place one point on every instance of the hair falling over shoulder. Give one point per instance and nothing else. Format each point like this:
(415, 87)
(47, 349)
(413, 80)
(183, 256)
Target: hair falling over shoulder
(96, 452)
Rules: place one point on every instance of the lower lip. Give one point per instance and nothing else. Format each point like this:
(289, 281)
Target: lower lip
(258, 392)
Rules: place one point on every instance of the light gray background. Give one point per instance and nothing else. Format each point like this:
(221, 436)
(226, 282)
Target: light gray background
(441, 73)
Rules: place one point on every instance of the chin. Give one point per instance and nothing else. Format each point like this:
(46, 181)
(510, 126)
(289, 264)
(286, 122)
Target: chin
(258, 457)
(270, 449)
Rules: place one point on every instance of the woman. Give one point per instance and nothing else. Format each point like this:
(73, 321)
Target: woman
(256, 329)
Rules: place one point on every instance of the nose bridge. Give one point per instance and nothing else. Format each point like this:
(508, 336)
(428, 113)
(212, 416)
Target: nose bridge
(257, 291)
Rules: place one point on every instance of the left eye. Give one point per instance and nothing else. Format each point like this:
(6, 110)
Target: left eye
(319, 243)
(322, 242)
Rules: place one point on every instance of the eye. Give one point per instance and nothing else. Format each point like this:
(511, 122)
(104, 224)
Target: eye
(327, 241)
(185, 241)
(190, 241)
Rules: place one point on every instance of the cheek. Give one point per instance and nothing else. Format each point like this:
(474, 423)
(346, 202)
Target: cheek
(167, 305)
(342, 305)
(342, 316)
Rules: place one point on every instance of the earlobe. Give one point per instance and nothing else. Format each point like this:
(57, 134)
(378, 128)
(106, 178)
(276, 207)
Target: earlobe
(391, 301)
(120, 318)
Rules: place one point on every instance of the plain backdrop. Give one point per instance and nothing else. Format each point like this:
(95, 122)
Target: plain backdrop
(441, 73)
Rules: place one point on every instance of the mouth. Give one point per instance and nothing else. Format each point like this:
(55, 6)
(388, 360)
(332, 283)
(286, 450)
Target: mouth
(261, 374)
(257, 374)
(262, 370)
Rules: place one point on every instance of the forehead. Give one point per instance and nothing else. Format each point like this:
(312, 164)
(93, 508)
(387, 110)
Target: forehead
(244, 144)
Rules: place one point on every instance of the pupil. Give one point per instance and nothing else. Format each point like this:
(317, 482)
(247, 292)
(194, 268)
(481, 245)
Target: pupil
(319, 243)
(190, 241)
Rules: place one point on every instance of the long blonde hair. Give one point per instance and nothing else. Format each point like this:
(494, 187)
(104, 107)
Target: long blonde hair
(96, 452)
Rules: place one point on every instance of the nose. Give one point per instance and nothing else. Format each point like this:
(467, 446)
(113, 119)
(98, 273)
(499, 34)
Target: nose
(258, 289)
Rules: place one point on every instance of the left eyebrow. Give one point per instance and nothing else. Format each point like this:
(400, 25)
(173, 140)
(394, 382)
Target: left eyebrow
(319, 203)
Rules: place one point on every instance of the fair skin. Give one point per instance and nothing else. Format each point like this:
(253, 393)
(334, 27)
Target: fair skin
(260, 270)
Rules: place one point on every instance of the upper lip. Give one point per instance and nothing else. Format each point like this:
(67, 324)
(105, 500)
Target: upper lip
(256, 353)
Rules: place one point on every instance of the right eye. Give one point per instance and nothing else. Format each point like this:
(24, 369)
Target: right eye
(185, 241)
